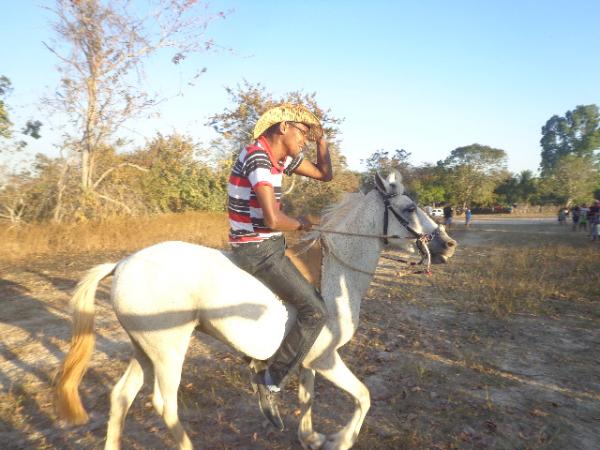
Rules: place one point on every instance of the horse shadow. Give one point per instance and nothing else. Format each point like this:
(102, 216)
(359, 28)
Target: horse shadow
(26, 375)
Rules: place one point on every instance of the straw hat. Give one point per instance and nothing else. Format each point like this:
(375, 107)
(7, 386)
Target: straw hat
(286, 112)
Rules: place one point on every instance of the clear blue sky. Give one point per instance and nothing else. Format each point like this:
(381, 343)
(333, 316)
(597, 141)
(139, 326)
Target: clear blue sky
(425, 76)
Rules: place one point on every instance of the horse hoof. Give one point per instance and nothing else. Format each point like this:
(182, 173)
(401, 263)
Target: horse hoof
(336, 442)
(313, 442)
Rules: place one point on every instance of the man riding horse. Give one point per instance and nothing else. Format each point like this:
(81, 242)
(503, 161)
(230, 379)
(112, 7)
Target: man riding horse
(162, 294)
(256, 226)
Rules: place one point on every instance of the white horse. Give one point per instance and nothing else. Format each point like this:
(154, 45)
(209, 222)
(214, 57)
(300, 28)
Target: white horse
(162, 293)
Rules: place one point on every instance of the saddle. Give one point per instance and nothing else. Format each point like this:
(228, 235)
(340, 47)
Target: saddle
(307, 261)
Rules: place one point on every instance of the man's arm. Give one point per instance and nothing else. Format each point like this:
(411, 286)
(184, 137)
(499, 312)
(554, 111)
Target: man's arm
(322, 171)
(272, 216)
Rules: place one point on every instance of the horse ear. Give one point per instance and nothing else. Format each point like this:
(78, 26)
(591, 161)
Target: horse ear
(394, 180)
(380, 183)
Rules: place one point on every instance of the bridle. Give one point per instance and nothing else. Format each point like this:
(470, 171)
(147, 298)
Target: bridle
(421, 239)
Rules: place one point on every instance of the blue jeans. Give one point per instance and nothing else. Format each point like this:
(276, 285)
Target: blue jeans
(267, 261)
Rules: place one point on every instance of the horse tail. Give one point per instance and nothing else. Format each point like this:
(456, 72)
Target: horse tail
(66, 395)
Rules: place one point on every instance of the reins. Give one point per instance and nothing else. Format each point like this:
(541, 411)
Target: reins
(346, 233)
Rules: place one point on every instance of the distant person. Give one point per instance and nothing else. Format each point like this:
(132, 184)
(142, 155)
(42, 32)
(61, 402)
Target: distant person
(594, 219)
(575, 216)
(583, 217)
(562, 216)
(448, 214)
(468, 216)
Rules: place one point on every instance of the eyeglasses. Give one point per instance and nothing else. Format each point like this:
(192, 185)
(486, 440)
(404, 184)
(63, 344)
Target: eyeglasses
(304, 132)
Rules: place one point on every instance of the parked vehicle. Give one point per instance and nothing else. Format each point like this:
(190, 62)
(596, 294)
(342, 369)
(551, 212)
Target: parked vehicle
(437, 212)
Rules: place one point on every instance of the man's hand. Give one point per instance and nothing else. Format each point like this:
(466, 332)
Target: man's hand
(322, 171)
(305, 224)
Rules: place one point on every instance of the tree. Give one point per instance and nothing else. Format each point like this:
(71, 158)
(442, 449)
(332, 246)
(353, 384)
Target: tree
(527, 186)
(577, 133)
(472, 173)
(520, 188)
(235, 125)
(31, 195)
(381, 161)
(5, 123)
(102, 46)
(428, 184)
(31, 128)
(508, 189)
(176, 180)
(572, 180)
(13, 190)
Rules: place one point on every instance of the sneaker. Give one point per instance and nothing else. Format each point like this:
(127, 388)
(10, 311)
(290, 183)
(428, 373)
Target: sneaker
(267, 400)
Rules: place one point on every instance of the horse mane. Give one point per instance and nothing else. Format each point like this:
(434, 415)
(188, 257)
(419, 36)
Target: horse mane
(341, 208)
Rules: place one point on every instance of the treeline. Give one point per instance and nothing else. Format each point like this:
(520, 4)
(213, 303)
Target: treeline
(475, 175)
(176, 174)
(170, 173)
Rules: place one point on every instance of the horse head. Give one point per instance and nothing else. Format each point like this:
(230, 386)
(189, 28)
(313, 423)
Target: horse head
(402, 217)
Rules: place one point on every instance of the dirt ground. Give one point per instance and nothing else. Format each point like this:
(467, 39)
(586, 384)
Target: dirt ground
(441, 376)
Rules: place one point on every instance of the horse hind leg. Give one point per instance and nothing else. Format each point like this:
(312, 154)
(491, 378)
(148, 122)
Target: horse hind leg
(157, 400)
(122, 397)
(309, 439)
(168, 375)
(341, 376)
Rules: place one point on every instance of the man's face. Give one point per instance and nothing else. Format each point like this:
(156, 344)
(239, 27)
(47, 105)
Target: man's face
(295, 137)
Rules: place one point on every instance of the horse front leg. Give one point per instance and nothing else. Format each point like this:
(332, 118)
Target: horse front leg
(309, 439)
(341, 376)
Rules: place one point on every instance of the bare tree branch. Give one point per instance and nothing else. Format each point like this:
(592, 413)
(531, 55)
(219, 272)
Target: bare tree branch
(116, 202)
(107, 172)
(106, 44)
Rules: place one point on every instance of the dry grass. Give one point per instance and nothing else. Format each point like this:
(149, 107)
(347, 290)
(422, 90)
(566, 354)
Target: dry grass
(526, 274)
(125, 234)
(458, 376)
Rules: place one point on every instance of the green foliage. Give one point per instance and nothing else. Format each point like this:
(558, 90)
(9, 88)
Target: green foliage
(32, 128)
(576, 133)
(480, 158)
(427, 184)
(9, 145)
(309, 196)
(472, 173)
(429, 193)
(176, 181)
(5, 123)
(30, 195)
(163, 176)
(520, 188)
(573, 179)
(383, 163)
(250, 101)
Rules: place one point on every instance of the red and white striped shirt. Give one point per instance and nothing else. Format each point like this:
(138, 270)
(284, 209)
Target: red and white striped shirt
(255, 166)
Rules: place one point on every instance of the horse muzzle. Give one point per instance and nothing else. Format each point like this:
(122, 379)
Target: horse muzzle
(442, 248)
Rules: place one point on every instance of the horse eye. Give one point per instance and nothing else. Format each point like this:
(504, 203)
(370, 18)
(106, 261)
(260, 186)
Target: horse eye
(411, 209)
